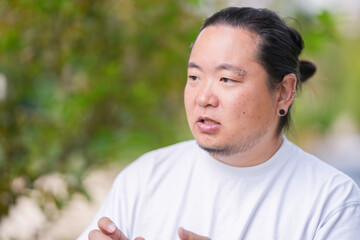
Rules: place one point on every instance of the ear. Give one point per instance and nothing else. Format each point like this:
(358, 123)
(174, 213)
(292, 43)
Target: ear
(287, 93)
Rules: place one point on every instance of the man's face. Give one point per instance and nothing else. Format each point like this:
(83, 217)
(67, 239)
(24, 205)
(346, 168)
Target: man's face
(228, 105)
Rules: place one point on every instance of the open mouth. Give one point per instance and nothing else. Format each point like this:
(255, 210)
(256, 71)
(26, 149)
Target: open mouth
(208, 125)
(208, 121)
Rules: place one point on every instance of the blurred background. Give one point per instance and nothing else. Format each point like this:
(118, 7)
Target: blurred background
(88, 86)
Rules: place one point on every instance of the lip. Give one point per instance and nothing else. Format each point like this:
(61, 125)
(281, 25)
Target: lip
(207, 128)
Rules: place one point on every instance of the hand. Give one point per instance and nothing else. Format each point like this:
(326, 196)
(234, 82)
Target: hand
(108, 230)
(187, 235)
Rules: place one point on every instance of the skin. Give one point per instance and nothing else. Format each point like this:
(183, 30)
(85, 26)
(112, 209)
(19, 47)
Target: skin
(227, 87)
(226, 84)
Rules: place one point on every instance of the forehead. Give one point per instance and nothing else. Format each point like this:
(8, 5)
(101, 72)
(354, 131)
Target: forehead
(223, 43)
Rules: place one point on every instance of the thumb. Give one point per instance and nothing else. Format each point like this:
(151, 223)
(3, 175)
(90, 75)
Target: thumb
(187, 235)
(109, 228)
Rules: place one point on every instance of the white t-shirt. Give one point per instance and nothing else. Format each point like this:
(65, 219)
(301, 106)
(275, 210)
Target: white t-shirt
(293, 195)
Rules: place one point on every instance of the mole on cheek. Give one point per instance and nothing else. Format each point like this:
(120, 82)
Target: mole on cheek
(244, 113)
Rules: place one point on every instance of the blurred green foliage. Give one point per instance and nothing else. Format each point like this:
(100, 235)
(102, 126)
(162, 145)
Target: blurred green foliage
(334, 90)
(88, 82)
(92, 82)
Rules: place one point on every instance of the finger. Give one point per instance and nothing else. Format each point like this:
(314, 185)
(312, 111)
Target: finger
(187, 235)
(139, 238)
(97, 235)
(109, 228)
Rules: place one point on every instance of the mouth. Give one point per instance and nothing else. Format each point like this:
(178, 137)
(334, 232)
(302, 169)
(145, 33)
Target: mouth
(207, 121)
(207, 125)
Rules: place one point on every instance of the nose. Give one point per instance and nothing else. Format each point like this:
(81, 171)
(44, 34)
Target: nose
(207, 96)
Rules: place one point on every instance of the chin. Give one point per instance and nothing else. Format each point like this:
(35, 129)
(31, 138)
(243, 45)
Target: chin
(217, 150)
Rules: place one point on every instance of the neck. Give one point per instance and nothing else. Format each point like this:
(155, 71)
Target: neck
(257, 154)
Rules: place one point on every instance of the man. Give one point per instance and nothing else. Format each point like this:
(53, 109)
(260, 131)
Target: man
(241, 178)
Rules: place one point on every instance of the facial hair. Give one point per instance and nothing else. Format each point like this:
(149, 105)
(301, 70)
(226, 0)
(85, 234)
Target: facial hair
(230, 150)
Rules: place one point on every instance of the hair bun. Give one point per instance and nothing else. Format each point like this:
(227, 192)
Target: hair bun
(307, 69)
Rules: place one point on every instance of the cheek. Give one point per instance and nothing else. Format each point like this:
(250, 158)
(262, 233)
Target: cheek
(186, 93)
(250, 108)
(262, 110)
(241, 104)
(188, 99)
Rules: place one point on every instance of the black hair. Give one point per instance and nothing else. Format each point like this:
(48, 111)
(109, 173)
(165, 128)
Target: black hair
(279, 48)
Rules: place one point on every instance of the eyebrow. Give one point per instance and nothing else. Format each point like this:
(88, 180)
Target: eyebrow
(193, 65)
(226, 66)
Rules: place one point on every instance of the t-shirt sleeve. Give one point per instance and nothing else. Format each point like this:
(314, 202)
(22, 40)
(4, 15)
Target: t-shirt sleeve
(341, 224)
(109, 208)
(120, 204)
(112, 207)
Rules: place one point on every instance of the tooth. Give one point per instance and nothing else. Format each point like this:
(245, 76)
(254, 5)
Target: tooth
(210, 122)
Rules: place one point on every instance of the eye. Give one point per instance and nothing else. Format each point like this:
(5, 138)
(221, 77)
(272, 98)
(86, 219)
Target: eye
(226, 80)
(193, 78)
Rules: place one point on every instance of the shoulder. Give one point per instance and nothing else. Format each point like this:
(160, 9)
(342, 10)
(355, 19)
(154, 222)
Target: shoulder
(311, 165)
(161, 160)
(167, 155)
(329, 197)
(322, 180)
(175, 149)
